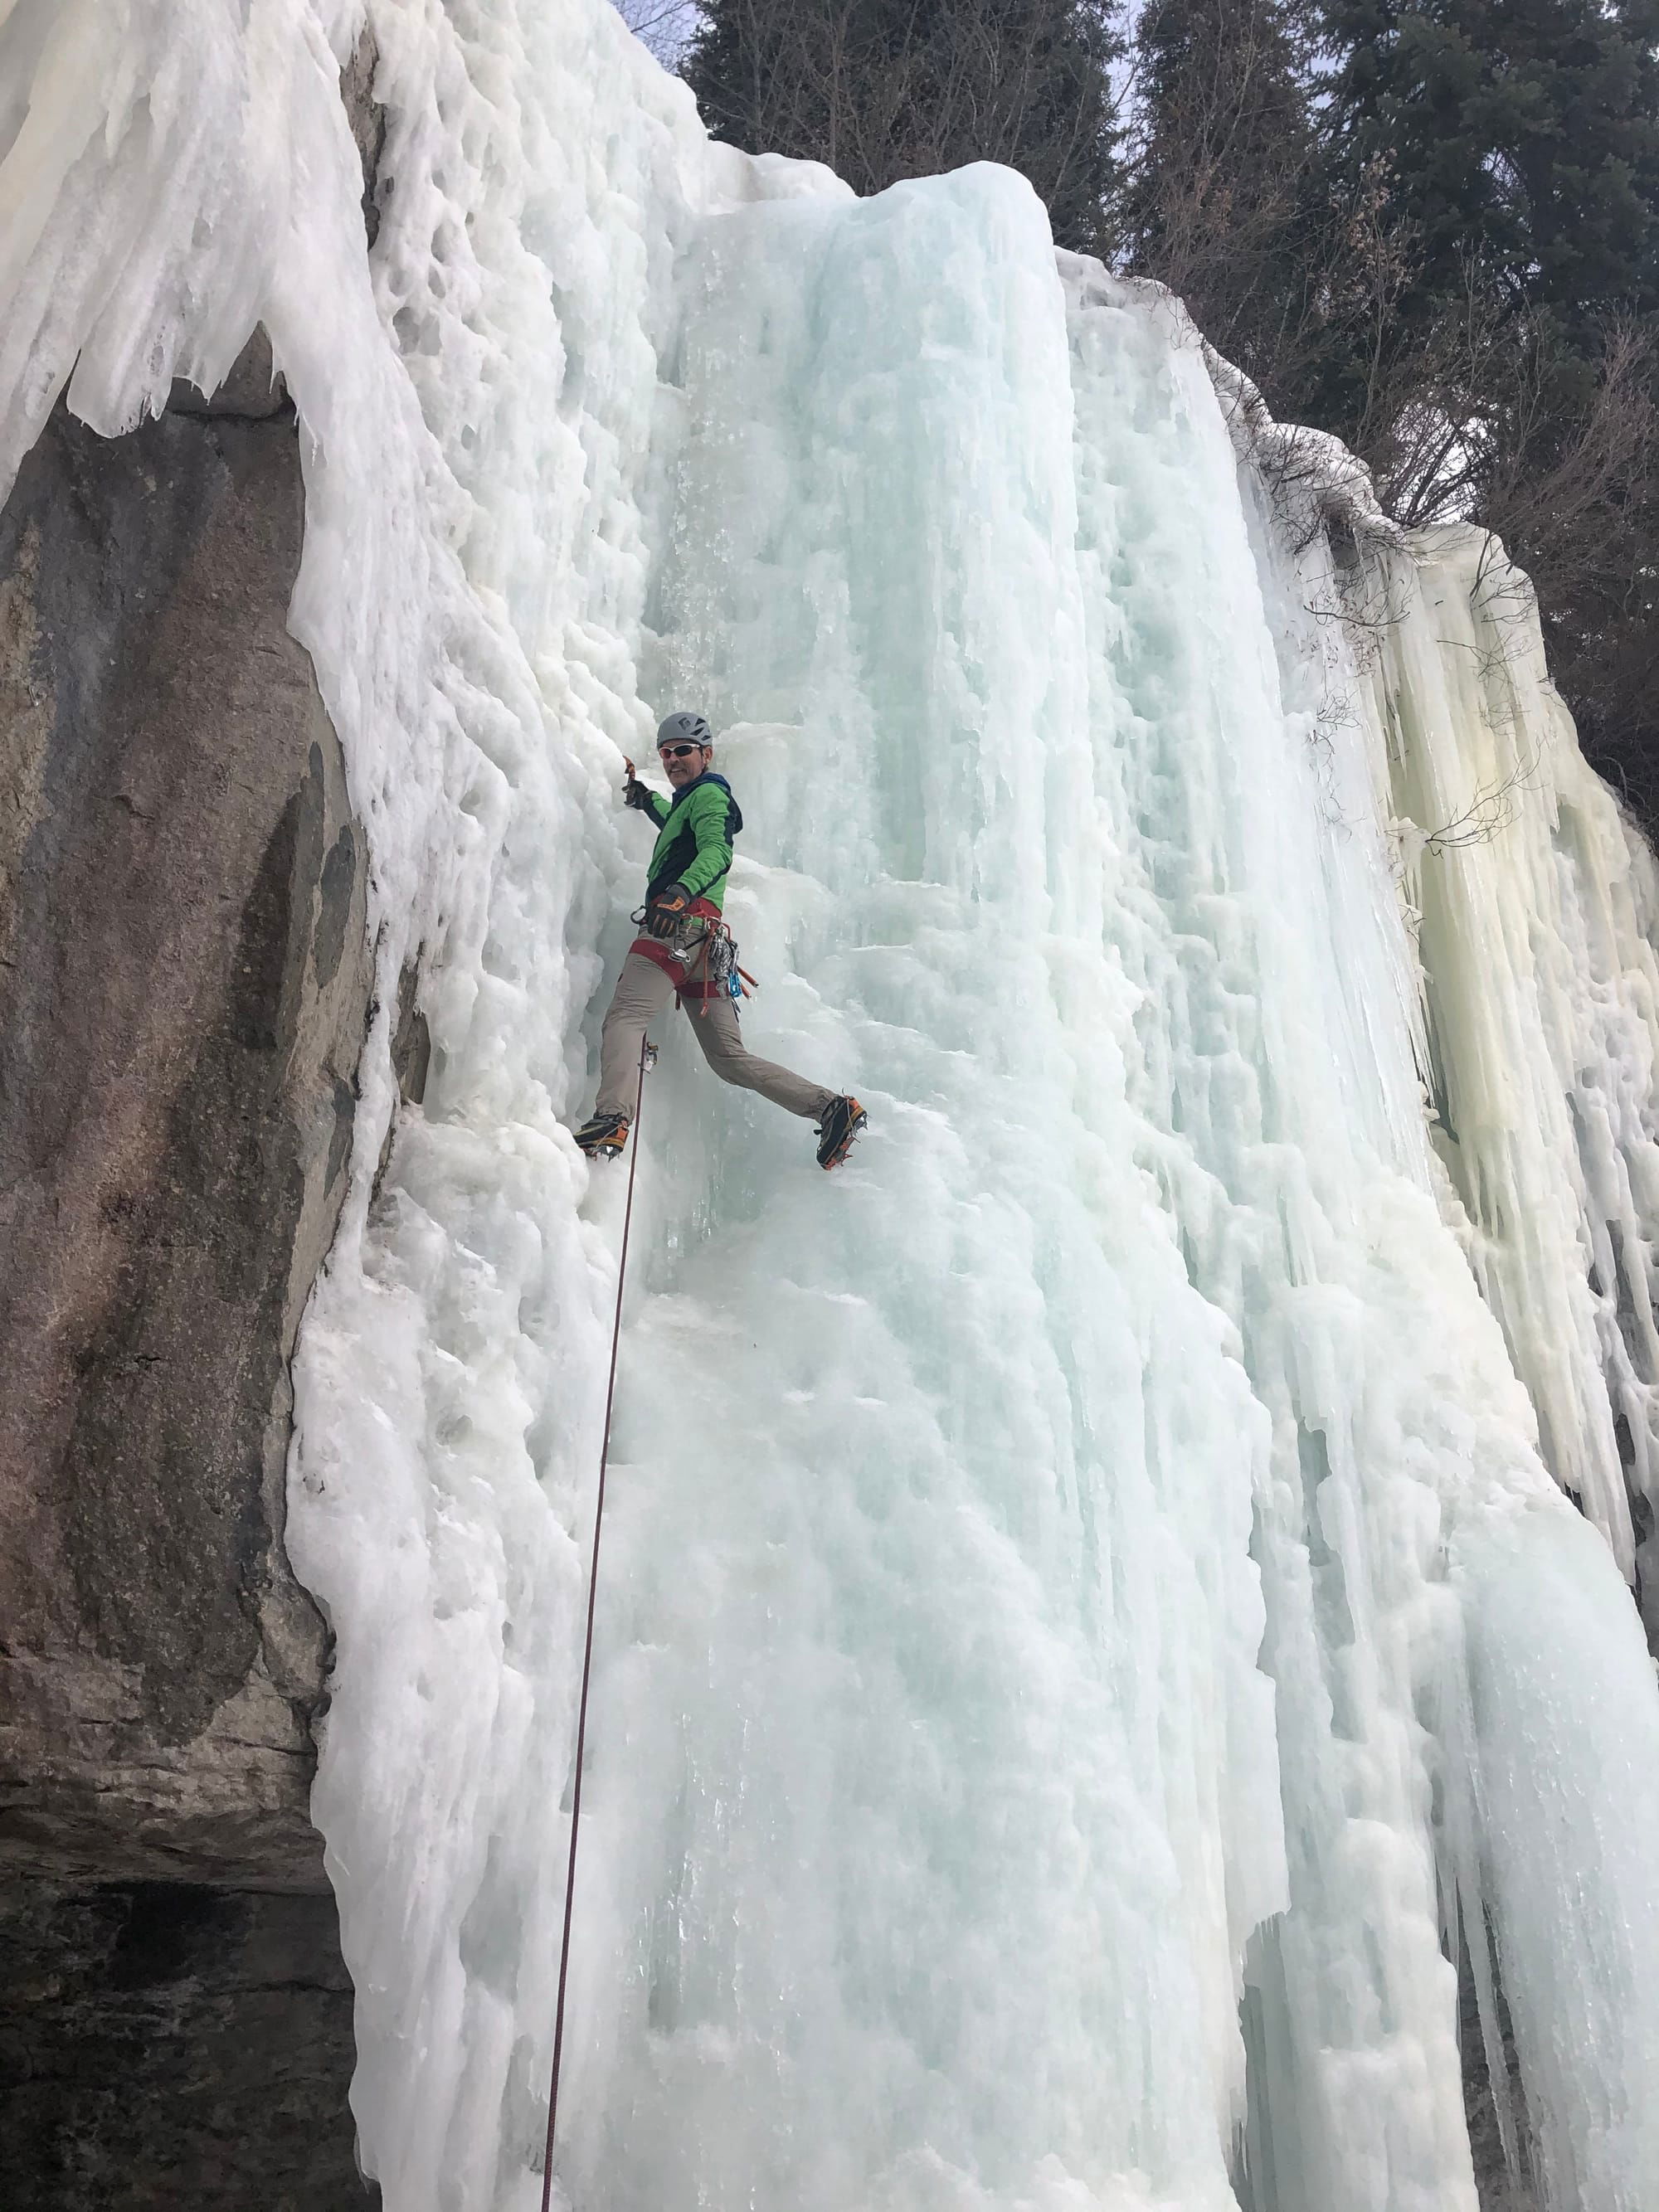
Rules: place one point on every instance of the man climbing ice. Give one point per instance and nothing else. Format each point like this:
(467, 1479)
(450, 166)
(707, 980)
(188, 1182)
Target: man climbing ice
(683, 951)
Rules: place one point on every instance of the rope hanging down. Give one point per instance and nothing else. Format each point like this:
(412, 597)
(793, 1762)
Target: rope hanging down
(646, 1055)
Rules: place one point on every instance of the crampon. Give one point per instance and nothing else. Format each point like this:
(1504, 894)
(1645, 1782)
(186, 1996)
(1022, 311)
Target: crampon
(843, 1120)
(604, 1136)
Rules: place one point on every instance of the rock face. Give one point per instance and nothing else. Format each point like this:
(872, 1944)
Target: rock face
(171, 2045)
(184, 984)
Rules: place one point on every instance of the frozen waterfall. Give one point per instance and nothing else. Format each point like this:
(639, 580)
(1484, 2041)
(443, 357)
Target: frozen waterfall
(1094, 1633)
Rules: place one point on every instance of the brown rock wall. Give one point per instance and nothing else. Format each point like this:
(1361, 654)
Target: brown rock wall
(184, 985)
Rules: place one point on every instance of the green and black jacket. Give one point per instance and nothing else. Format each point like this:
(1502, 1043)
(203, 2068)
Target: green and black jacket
(694, 830)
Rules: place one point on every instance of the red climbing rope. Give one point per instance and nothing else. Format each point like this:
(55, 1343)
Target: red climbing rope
(645, 1057)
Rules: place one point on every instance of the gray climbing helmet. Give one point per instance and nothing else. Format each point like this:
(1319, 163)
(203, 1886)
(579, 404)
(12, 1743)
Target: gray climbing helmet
(684, 730)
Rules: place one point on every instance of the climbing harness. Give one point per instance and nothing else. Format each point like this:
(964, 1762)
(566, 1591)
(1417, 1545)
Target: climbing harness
(647, 1059)
(678, 936)
(701, 946)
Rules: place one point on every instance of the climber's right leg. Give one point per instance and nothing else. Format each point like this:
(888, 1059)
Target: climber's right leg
(643, 990)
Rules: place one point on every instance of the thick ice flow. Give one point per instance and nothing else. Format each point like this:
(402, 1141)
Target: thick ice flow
(1534, 904)
(938, 1689)
(1094, 1637)
(1565, 1793)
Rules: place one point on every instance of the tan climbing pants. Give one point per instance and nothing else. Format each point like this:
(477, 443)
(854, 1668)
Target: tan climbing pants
(643, 990)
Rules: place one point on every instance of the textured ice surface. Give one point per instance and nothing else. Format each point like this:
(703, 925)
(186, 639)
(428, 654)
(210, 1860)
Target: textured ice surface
(1087, 1614)
(1534, 905)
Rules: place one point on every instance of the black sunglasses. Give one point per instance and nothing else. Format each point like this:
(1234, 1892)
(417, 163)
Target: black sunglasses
(678, 752)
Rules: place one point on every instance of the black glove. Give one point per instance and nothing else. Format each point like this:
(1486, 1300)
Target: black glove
(635, 794)
(667, 910)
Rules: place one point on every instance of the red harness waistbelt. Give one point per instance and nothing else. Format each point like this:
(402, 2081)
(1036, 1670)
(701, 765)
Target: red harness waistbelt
(655, 949)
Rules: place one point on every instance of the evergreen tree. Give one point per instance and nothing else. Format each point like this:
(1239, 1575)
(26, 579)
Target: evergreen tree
(1508, 151)
(1521, 137)
(1225, 204)
(882, 89)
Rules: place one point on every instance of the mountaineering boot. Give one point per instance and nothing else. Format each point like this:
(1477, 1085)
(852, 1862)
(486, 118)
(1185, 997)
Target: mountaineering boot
(604, 1136)
(843, 1120)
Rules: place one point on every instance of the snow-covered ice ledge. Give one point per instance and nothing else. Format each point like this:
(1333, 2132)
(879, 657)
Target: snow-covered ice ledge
(1088, 1602)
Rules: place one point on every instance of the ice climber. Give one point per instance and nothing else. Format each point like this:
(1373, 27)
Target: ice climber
(686, 952)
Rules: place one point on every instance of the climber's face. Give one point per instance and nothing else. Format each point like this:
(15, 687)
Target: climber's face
(683, 764)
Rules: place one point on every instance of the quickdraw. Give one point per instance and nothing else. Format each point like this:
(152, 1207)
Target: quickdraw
(719, 965)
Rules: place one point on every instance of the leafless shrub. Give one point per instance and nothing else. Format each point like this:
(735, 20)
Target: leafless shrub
(663, 25)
